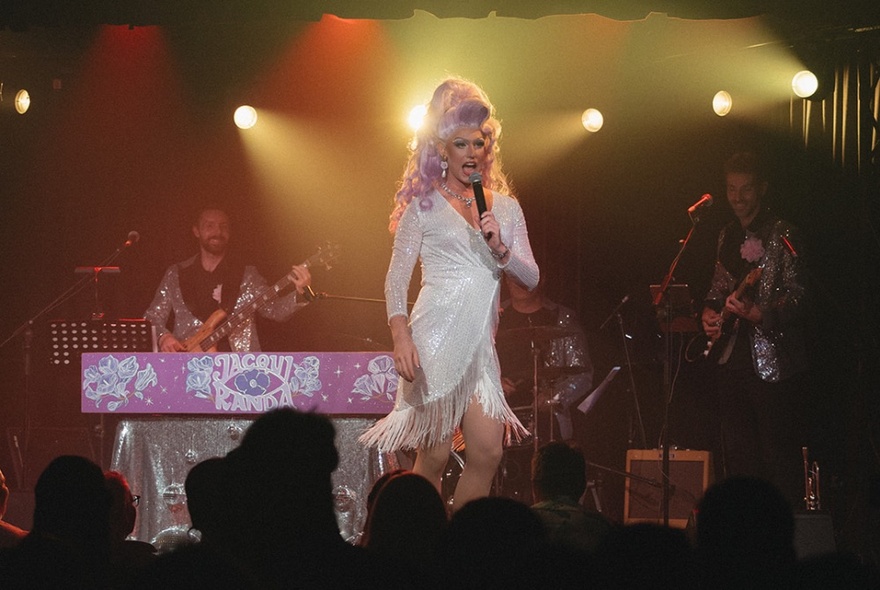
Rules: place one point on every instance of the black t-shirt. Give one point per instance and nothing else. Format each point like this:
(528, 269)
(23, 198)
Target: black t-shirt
(204, 292)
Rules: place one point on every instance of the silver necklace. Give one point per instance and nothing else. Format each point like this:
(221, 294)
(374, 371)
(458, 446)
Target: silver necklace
(467, 202)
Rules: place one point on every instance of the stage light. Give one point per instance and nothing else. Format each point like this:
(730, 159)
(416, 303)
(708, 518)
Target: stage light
(416, 116)
(245, 117)
(805, 84)
(722, 102)
(21, 100)
(592, 120)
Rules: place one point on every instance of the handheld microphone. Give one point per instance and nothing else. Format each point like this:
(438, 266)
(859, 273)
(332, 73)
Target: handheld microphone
(476, 180)
(133, 237)
(705, 201)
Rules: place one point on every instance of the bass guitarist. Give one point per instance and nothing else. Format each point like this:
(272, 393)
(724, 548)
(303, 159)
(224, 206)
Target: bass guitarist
(211, 286)
(757, 335)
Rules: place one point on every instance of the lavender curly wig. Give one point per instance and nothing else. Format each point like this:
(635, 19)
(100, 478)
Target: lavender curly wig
(456, 104)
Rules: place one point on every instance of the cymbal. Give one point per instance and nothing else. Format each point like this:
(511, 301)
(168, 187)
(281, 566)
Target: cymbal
(556, 372)
(525, 375)
(535, 333)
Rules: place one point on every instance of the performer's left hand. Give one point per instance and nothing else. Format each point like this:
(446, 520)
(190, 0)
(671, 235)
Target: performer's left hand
(301, 278)
(744, 309)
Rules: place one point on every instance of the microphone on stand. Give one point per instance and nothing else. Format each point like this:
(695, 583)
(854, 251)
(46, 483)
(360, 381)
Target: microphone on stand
(476, 180)
(614, 313)
(133, 238)
(705, 201)
(695, 209)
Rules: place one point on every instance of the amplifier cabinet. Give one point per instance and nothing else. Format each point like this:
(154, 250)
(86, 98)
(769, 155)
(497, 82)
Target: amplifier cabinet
(690, 473)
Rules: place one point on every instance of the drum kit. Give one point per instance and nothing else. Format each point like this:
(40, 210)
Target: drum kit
(513, 478)
(540, 377)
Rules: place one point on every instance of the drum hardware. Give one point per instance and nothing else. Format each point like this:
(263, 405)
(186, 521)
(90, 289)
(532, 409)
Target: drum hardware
(535, 333)
(812, 496)
(538, 336)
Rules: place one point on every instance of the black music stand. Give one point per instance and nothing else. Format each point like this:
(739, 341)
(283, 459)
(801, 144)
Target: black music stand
(68, 339)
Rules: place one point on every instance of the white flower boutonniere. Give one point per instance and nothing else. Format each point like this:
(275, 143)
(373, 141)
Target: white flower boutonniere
(752, 249)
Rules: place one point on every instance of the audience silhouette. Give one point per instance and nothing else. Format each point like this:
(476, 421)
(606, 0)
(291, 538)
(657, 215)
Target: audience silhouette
(265, 518)
(10, 534)
(744, 535)
(127, 557)
(559, 481)
(69, 544)
(644, 555)
(405, 526)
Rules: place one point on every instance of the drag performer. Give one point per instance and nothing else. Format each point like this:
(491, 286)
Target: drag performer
(444, 352)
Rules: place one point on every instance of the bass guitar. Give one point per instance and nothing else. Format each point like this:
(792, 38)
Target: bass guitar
(219, 324)
(743, 291)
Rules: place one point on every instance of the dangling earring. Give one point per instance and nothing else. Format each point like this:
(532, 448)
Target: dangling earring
(443, 166)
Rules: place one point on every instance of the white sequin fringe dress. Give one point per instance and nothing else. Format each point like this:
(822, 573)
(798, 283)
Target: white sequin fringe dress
(453, 321)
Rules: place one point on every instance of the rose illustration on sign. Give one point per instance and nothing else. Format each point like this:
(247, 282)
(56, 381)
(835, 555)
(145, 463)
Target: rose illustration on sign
(110, 378)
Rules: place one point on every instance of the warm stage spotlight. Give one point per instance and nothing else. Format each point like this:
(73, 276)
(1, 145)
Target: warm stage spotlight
(592, 120)
(416, 116)
(245, 117)
(21, 100)
(722, 102)
(805, 84)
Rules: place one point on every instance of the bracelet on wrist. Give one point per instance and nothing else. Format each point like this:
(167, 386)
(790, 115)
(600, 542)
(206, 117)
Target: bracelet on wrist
(500, 255)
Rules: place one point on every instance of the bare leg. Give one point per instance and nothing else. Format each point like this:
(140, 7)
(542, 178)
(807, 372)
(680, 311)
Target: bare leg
(430, 462)
(483, 438)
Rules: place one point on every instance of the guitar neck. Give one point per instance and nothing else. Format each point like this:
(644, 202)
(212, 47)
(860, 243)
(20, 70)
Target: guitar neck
(265, 296)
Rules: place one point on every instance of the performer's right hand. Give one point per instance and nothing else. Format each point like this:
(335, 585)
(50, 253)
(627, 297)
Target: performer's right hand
(406, 357)
(711, 322)
(168, 343)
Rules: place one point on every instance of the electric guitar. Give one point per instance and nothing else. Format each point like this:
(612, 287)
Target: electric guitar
(220, 324)
(744, 290)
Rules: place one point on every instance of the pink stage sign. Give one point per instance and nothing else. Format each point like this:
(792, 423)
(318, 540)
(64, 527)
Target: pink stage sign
(237, 383)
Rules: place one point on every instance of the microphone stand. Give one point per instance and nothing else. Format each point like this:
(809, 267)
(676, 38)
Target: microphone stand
(661, 296)
(322, 295)
(26, 329)
(632, 382)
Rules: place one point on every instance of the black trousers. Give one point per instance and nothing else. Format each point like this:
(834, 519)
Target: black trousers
(762, 429)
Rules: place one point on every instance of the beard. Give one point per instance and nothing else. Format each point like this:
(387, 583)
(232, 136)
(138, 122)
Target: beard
(216, 246)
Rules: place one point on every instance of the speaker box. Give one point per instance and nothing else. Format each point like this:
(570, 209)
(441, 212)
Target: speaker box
(34, 450)
(690, 473)
(813, 534)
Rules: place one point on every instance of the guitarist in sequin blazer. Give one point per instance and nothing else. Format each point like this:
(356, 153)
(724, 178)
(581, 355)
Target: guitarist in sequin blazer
(760, 353)
(214, 284)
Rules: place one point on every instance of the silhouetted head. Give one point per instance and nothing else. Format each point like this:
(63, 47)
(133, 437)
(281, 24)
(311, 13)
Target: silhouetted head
(211, 495)
(71, 499)
(283, 471)
(559, 469)
(407, 519)
(745, 531)
(123, 513)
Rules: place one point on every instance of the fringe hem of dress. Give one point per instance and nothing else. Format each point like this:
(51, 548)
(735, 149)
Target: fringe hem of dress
(434, 422)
